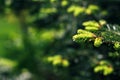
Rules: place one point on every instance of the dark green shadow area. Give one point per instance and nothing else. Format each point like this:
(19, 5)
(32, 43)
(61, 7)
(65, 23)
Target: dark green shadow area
(6, 29)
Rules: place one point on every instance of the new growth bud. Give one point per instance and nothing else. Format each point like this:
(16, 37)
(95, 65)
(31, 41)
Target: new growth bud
(116, 45)
(98, 42)
(83, 35)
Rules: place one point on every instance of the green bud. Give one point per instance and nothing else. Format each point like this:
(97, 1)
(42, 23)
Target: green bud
(117, 45)
(52, 1)
(82, 36)
(91, 24)
(65, 63)
(57, 62)
(79, 31)
(98, 68)
(78, 10)
(64, 3)
(71, 8)
(57, 59)
(104, 62)
(50, 59)
(88, 11)
(93, 7)
(98, 42)
(102, 22)
(91, 28)
(107, 70)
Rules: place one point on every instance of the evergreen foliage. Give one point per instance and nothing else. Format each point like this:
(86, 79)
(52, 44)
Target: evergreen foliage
(59, 40)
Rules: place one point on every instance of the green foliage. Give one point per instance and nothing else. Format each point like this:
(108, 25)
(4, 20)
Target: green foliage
(104, 67)
(117, 45)
(7, 65)
(114, 54)
(97, 42)
(48, 10)
(77, 10)
(64, 3)
(92, 9)
(93, 25)
(36, 40)
(83, 35)
(111, 33)
(104, 32)
(58, 60)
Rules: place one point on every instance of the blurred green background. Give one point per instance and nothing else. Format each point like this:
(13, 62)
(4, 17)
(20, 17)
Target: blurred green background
(36, 40)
